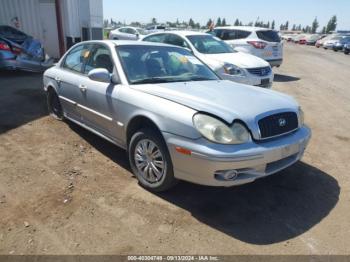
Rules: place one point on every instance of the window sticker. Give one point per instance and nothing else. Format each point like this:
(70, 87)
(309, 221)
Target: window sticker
(86, 53)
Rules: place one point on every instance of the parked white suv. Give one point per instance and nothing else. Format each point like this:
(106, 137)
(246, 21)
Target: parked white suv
(262, 42)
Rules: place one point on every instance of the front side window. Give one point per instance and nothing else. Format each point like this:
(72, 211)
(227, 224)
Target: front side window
(75, 59)
(99, 58)
(160, 38)
(158, 64)
(207, 44)
(131, 31)
(176, 40)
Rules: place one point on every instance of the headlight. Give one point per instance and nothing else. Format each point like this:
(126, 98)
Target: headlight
(301, 117)
(231, 69)
(218, 132)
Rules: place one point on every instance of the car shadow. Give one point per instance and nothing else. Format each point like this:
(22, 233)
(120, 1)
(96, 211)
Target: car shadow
(22, 99)
(270, 210)
(285, 78)
(113, 152)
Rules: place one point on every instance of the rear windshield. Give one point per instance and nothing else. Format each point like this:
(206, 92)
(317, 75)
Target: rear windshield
(268, 35)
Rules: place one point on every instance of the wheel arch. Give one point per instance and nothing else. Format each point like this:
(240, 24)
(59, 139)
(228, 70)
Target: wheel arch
(139, 122)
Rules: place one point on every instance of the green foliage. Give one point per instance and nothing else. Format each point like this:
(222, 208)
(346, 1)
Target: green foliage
(332, 24)
(314, 25)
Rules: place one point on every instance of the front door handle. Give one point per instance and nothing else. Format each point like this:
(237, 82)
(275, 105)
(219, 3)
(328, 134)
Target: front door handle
(82, 88)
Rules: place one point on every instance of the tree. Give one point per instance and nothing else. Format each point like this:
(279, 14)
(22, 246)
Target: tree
(218, 22)
(209, 23)
(154, 21)
(268, 24)
(191, 23)
(236, 22)
(332, 24)
(273, 24)
(223, 23)
(286, 27)
(324, 30)
(294, 28)
(314, 26)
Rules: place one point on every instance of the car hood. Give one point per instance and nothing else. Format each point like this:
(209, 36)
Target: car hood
(225, 99)
(239, 59)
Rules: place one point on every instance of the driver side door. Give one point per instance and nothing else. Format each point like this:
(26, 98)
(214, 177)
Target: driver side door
(99, 98)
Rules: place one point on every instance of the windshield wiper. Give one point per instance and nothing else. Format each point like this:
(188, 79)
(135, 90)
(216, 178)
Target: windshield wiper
(153, 80)
(200, 78)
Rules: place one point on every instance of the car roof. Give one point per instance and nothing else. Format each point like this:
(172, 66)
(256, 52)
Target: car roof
(245, 28)
(113, 43)
(179, 32)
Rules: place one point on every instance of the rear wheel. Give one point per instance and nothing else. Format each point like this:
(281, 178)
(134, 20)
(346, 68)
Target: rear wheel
(54, 104)
(346, 51)
(150, 161)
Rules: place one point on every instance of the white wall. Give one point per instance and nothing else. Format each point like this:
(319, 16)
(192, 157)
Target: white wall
(27, 12)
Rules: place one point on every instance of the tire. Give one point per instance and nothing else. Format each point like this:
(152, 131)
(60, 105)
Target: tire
(143, 165)
(54, 105)
(346, 52)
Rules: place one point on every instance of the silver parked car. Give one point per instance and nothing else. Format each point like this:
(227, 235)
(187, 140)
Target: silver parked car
(127, 33)
(174, 116)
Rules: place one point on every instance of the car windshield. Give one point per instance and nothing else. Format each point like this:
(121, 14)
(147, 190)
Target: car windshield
(161, 64)
(207, 44)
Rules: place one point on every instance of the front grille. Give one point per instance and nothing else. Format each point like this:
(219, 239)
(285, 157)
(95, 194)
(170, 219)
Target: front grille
(260, 71)
(278, 124)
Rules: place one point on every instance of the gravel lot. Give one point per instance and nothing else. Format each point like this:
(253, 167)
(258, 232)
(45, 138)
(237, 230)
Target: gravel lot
(66, 191)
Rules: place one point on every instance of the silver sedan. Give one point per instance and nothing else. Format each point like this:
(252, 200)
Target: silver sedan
(174, 116)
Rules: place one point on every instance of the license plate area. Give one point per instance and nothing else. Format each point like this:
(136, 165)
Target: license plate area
(265, 81)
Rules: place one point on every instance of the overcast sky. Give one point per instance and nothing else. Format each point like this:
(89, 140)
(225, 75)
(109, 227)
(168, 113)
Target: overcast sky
(295, 11)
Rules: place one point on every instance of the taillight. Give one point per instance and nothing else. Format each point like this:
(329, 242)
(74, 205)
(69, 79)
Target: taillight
(257, 44)
(5, 47)
(16, 50)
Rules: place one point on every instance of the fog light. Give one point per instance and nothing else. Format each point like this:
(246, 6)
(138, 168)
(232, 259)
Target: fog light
(227, 175)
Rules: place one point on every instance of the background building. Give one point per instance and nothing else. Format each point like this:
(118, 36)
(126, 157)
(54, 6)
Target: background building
(58, 24)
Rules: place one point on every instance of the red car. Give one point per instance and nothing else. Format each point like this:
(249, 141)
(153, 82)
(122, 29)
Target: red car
(302, 41)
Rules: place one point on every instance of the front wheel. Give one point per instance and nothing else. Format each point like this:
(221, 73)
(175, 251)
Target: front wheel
(150, 161)
(54, 105)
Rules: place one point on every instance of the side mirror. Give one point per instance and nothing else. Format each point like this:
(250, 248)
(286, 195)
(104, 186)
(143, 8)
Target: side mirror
(115, 79)
(100, 75)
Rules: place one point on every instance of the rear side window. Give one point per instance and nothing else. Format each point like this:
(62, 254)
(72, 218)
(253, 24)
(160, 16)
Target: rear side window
(232, 34)
(75, 59)
(268, 35)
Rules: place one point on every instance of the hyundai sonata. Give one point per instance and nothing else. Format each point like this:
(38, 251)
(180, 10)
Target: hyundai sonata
(174, 116)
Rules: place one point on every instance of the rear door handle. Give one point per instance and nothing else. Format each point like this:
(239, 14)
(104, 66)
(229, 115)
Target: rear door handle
(82, 88)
